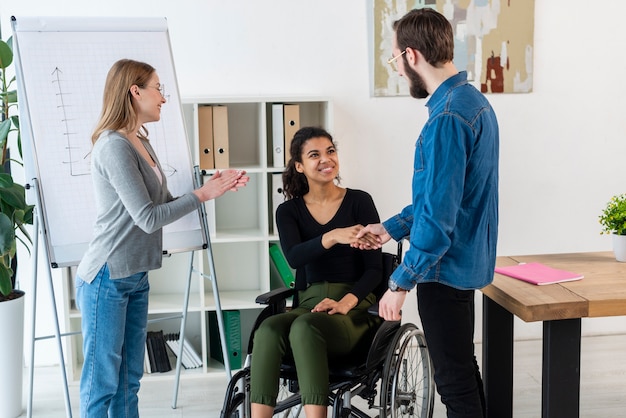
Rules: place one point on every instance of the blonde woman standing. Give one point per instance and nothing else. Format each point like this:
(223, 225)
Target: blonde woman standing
(133, 204)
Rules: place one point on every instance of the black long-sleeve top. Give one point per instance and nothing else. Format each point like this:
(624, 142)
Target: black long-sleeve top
(301, 241)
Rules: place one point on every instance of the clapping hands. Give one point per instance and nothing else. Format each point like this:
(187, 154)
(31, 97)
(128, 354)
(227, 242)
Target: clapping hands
(220, 183)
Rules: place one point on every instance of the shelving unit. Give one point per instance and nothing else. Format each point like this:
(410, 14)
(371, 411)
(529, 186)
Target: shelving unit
(241, 230)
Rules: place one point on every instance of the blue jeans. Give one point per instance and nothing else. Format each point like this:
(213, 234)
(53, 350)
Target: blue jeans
(447, 316)
(114, 322)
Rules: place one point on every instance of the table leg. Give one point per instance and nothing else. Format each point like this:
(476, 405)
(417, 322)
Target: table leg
(497, 362)
(560, 393)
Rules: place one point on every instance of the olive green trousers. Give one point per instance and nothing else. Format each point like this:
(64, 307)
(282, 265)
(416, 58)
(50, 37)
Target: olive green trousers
(312, 338)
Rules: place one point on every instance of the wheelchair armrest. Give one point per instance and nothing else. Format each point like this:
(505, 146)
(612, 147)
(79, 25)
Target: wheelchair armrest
(274, 296)
(276, 301)
(373, 309)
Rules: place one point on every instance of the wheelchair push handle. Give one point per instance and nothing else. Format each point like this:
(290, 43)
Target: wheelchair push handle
(373, 310)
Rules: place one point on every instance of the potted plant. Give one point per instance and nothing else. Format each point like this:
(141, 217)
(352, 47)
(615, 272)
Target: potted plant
(613, 221)
(14, 214)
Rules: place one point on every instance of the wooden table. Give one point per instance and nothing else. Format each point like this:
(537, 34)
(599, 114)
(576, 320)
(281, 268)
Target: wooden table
(561, 306)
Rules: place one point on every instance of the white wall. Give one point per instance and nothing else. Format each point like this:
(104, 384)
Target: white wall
(562, 150)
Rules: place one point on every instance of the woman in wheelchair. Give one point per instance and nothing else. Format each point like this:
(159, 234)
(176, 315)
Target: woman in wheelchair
(316, 225)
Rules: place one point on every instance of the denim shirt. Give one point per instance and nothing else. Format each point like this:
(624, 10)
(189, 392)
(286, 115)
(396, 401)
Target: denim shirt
(452, 223)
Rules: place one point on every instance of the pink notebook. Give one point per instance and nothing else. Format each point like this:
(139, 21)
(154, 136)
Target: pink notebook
(537, 273)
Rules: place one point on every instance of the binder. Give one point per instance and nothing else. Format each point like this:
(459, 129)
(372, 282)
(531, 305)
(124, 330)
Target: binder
(232, 332)
(278, 136)
(279, 260)
(292, 124)
(277, 198)
(147, 368)
(205, 137)
(157, 352)
(151, 353)
(191, 353)
(276, 280)
(191, 359)
(220, 136)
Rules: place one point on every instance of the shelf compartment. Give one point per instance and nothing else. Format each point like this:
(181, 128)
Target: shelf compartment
(244, 127)
(240, 267)
(242, 210)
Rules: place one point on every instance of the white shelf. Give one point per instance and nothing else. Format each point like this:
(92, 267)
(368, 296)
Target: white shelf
(162, 303)
(233, 300)
(226, 236)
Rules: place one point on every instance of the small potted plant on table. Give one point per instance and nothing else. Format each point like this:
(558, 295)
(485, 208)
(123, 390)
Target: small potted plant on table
(613, 221)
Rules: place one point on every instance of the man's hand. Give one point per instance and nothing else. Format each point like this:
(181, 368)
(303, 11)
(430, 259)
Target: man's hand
(371, 237)
(390, 305)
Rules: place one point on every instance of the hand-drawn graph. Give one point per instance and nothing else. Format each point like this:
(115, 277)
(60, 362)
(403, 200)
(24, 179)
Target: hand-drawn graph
(77, 153)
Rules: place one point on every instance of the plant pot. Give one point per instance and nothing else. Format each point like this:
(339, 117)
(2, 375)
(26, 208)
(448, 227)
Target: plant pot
(12, 355)
(619, 247)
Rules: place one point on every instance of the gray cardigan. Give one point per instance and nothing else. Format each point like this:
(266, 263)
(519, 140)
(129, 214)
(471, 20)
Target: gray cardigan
(132, 207)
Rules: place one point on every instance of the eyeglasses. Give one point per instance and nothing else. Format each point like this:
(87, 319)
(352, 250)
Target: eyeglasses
(392, 61)
(160, 88)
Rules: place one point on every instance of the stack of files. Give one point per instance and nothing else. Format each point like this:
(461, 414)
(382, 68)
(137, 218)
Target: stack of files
(232, 331)
(191, 359)
(213, 137)
(157, 357)
(537, 273)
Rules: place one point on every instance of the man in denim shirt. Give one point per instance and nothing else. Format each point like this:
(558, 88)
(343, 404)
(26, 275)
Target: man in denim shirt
(452, 223)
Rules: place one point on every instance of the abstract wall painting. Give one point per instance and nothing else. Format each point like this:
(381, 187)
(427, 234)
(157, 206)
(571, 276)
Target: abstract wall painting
(493, 43)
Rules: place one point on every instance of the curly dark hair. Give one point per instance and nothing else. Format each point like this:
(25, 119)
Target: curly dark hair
(295, 184)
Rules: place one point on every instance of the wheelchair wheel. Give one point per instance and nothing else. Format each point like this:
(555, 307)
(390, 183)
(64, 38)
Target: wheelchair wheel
(407, 387)
(237, 399)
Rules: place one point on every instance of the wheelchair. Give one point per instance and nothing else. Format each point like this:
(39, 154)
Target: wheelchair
(390, 371)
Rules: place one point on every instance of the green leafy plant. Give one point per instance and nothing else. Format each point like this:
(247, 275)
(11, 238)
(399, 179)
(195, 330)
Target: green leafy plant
(613, 218)
(14, 211)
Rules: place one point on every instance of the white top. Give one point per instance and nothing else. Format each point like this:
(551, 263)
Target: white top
(158, 173)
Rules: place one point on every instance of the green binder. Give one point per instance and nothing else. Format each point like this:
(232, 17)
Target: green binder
(232, 332)
(285, 272)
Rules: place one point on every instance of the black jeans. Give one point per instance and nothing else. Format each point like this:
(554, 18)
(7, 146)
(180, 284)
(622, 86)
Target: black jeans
(447, 316)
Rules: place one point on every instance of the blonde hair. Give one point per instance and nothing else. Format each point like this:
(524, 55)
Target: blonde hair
(117, 107)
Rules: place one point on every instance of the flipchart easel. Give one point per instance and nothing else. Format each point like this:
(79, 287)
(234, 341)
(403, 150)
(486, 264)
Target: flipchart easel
(55, 74)
(39, 228)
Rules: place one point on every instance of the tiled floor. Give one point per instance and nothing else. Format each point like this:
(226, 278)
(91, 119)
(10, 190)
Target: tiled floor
(603, 386)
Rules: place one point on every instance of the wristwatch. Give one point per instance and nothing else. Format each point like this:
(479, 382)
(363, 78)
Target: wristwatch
(393, 286)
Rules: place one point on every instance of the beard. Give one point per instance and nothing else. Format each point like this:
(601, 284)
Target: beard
(417, 88)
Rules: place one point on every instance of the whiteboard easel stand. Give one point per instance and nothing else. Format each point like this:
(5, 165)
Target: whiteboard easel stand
(39, 227)
(218, 306)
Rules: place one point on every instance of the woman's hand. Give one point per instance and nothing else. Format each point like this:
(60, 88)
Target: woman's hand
(346, 235)
(332, 307)
(221, 182)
